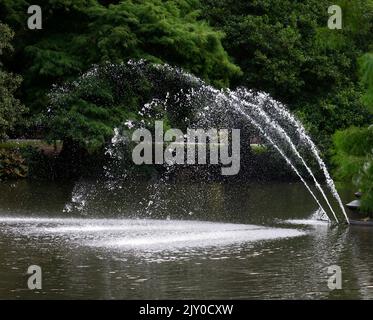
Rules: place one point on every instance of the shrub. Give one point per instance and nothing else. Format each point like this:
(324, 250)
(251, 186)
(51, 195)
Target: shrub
(12, 165)
(353, 156)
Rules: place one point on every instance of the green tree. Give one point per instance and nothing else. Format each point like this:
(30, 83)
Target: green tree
(84, 112)
(10, 107)
(79, 33)
(285, 48)
(353, 147)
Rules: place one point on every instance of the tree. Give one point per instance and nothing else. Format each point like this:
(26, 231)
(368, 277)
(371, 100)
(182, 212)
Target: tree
(285, 48)
(353, 147)
(10, 107)
(77, 34)
(84, 112)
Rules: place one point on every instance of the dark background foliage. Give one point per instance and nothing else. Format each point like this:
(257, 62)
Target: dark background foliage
(282, 47)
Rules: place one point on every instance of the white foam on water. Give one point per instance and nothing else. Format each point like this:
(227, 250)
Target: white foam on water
(203, 239)
(132, 234)
(309, 222)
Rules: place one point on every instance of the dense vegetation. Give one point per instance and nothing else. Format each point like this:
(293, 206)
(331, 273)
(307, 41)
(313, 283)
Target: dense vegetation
(10, 107)
(86, 110)
(354, 146)
(283, 47)
(78, 33)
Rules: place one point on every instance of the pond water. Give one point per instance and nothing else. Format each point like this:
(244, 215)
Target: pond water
(199, 241)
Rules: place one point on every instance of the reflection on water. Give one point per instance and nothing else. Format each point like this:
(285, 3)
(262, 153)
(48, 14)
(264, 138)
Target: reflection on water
(256, 242)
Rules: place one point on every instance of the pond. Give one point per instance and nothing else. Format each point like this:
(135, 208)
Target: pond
(198, 241)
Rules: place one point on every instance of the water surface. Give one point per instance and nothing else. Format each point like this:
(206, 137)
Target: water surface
(201, 241)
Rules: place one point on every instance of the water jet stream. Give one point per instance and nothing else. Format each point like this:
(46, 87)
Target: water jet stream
(231, 98)
(282, 154)
(282, 132)
(207, 105)
(302, 133)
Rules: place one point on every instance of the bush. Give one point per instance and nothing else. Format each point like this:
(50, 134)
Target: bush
(353, 156)
(10, 108)
(12, 165)
(366, 186)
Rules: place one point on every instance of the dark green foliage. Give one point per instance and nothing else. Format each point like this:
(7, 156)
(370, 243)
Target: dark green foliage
(366, 186)
(366, 70)
(87, 110)
(334, 112)
(351, 148)
(10, 107)
(353, 154)
(285, 48)
(12, 165)
(354, 159)
(79, 33)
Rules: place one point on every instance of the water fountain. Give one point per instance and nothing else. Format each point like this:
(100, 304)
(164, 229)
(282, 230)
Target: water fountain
(209, 107)
(132, 237)
(271, 119)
